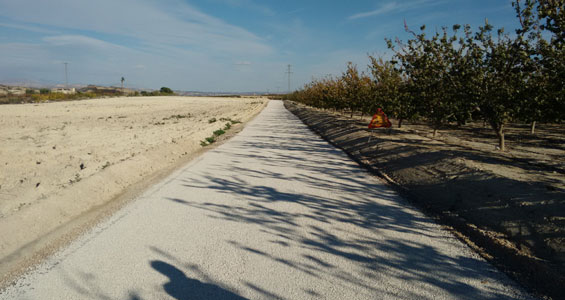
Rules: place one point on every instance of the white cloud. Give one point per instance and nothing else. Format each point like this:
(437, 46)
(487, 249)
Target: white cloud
(395, 7)
(79, 40)
(248, 4)
(382, 10)
(170, 21)
(28, 28)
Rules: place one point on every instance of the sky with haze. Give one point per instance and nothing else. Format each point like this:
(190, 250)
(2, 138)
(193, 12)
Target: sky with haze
(214, 45)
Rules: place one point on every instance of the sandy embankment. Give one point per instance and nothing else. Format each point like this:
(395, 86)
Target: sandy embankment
(60, 161)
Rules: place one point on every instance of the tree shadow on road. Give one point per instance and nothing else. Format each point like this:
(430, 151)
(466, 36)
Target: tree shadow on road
(182, 287)
(335, 217)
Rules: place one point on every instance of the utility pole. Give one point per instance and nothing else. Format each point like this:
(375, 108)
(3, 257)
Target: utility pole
(289, 72)
(66, 76)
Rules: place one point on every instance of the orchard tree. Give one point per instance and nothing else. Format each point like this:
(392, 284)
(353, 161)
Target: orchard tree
(391, 90)
(357, 88)
(434, 67)
(335, 93)
(543, 28)
(498, 77)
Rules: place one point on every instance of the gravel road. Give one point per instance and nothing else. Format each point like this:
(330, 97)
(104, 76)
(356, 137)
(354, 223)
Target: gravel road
(274, 213)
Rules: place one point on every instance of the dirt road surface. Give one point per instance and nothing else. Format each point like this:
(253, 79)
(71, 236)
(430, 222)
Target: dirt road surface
(275, 213)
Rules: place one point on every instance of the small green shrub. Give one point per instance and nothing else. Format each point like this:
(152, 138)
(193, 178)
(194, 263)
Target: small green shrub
(219, 132)
(211, 140)
(228, 126)
(177, 117)
(212, 120)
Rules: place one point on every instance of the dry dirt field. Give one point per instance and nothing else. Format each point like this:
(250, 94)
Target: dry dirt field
(60, 161)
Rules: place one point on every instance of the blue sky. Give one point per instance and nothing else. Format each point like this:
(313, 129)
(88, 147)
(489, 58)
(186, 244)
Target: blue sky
(214, 45)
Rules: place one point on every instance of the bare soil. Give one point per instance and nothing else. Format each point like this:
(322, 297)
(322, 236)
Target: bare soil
(63, 163)
(509, 206)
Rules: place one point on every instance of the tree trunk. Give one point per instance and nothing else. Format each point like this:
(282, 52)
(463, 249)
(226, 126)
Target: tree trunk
(400, 123)
(533, 128)
(500, 134)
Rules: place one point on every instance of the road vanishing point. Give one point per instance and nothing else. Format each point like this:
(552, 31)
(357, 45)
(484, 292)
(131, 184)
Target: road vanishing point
(274, 213)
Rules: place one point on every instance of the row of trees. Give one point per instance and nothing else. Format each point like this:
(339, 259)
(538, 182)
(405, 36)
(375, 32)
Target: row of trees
(459, 75)
(164, 91)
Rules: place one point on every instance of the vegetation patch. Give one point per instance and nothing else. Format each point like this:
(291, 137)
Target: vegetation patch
(212, 139)
(164, 91)
(230, 120)
(219, 132)
(177, 117)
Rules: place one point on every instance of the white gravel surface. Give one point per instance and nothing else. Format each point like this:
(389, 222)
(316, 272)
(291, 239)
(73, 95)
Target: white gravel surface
(275, 213)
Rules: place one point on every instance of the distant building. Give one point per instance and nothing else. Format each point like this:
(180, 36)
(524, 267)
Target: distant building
(17, 91)
(69, 91)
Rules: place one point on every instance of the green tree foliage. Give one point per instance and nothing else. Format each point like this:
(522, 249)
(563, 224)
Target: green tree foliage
(434, 66)
(165, 90)
(391, 90)
(357, 89)
(543, 31)
(497, 78)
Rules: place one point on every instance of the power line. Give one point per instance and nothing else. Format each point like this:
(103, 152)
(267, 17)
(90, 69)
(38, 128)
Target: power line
(288, 72)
